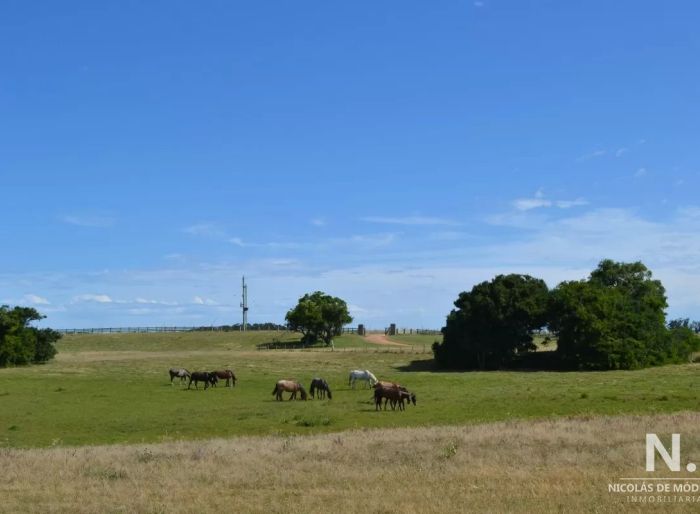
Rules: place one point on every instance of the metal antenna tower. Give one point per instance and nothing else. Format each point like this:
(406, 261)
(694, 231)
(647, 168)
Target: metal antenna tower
(244, 306)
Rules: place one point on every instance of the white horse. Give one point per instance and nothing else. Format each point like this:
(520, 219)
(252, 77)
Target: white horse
(180, 373)
(362, 374)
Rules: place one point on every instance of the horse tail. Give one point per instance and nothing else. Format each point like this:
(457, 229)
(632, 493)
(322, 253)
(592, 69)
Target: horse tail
(274, 391)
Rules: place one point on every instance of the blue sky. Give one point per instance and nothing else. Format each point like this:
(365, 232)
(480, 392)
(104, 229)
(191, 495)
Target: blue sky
(391, 153)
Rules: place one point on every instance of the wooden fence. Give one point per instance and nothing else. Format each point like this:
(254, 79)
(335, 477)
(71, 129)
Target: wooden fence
(147, 330)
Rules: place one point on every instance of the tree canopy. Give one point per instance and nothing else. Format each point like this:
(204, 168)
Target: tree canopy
(21, 343)
(318, 316)
(493, 322)
(616, 320)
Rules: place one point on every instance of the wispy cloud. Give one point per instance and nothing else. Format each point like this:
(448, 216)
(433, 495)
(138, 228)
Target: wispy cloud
(198, 300)
(98, 298)
(318, 222)
(592, 155)
(89, 221)
(270, 244)
(409, 220)
(35, 299)
(539, 201)
(641, 172)
(620, 152)
(154, 302)
(211, 230)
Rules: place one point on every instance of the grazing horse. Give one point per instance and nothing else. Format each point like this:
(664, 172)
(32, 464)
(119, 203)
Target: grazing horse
(323, 388)
(392, 394)
(181, 373)
(207, 377)
(227, 375)
(290, 386)
(362, 374)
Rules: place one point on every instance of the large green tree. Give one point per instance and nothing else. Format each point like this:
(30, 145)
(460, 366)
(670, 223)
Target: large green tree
(493, 323)
(318, 316)
(616, 320)
(20, 343)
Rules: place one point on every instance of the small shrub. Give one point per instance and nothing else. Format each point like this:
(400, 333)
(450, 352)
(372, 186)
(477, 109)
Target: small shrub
(449, 451)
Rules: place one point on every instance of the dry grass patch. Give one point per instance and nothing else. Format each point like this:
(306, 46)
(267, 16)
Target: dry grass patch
(539, 466)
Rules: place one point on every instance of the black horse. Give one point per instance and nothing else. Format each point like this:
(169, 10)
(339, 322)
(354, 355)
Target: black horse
(323, 388)
(207, 377)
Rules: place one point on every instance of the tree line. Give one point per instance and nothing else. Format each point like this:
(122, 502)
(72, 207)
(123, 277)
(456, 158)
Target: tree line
(614, 319)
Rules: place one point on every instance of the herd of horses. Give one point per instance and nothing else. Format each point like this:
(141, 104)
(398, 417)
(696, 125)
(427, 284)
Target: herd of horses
(391, 393)
(210, 378)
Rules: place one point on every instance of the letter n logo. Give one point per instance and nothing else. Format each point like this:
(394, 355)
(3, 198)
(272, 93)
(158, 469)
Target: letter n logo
(673, 461)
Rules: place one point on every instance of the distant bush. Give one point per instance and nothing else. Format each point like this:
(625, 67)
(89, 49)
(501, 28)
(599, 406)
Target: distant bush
(22, 344)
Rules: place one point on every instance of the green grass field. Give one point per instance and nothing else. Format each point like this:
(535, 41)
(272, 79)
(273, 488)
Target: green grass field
(115, 388)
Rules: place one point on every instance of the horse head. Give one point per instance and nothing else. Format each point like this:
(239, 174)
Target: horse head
(372, 379)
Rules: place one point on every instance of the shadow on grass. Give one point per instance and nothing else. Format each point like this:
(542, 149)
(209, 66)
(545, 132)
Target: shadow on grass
(530, 362)
(287, 345)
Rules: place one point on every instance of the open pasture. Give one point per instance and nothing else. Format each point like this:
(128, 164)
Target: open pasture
(116, 389)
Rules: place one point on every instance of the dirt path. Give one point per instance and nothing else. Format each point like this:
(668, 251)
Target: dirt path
(382, 339)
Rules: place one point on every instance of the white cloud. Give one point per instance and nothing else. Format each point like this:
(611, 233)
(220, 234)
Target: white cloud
(99, 298)
(408, 220)
(198, 300)
(526, 204)
(89, 221)
(567, 204)
(641, 172)
(210, 230)
(35, 299)
(318, 222)
(539, 201)
(154, 302)
(593, 155)
(620, 152)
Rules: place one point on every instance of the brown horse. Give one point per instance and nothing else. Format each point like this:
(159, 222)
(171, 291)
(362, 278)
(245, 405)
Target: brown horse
(393, 393)
(290, 386)
(227, 375)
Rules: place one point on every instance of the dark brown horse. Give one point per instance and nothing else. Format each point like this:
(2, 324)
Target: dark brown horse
(320, 385)
(207, 377)
(227, 375)
(290, 386)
